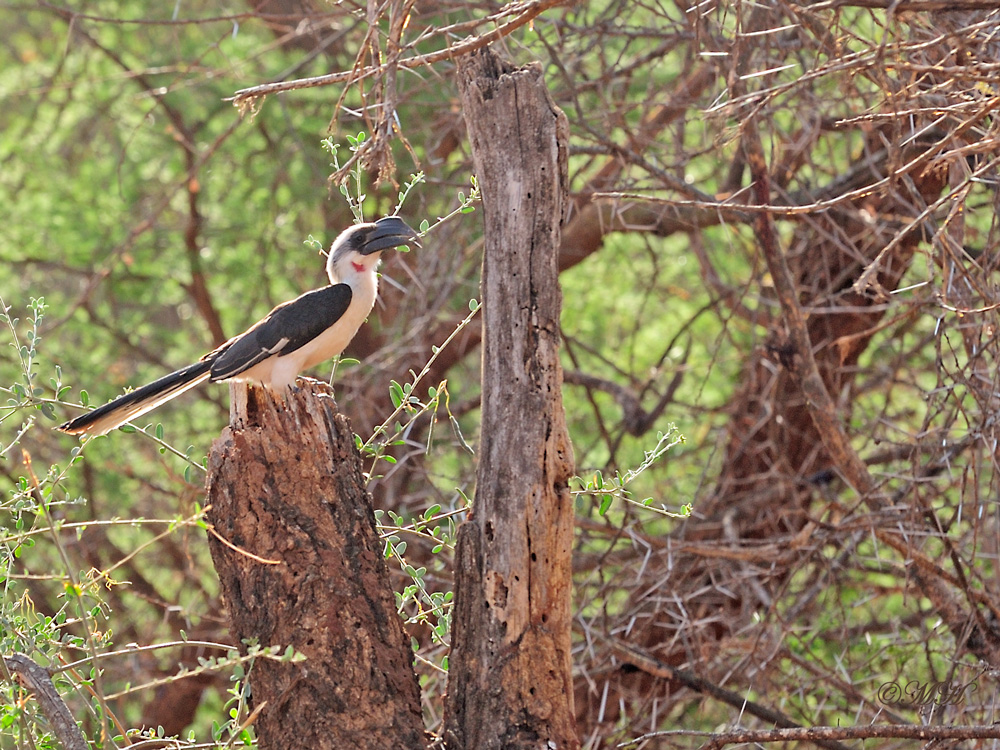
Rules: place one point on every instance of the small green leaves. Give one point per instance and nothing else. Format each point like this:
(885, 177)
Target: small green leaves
(314, 243)
(415, 179)
(350, 176)
(415, 601)
(402, 397)
(606, 490)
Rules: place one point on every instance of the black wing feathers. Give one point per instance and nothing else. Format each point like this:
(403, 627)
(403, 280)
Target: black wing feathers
(286, 328)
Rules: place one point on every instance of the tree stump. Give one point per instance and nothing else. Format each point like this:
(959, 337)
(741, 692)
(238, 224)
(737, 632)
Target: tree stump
(302, 566)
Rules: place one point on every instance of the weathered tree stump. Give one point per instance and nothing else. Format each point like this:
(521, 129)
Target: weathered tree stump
(302, 566)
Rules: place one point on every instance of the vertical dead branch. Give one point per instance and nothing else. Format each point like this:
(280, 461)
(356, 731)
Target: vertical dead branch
(510, 683)
(301, 565)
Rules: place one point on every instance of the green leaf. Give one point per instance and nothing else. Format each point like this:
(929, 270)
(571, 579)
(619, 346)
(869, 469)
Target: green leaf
(395, 393)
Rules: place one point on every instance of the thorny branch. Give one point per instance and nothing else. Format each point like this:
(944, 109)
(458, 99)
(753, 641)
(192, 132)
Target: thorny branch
(527, 12)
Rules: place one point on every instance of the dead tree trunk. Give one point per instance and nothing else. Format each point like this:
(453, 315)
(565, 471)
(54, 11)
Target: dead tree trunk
(302, 566)
(510, 684)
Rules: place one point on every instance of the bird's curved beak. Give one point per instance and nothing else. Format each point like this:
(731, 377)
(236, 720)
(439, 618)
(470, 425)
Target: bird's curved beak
(389, 232)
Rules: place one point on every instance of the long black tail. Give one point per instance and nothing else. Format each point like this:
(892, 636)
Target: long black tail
(138, 402)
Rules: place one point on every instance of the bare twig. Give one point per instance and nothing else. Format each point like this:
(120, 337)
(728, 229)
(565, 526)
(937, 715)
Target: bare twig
(527, 12)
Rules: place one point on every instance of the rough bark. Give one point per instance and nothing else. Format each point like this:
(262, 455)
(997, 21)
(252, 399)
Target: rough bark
(286, 489)
(510, 684)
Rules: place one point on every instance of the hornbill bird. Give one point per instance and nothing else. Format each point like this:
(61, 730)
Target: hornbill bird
(293, 337)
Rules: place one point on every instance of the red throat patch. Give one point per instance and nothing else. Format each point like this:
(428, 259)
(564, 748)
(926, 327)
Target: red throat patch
(359, 267)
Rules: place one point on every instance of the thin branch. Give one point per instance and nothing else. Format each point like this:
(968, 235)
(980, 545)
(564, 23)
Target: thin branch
(898, 6)
(895, 731)
(245, 97)
(36, 678)
(651, 665)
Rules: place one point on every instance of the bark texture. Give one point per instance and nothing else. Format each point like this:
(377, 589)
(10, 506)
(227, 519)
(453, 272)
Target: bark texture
(286, 488)
(510, 682)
